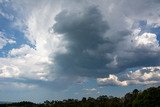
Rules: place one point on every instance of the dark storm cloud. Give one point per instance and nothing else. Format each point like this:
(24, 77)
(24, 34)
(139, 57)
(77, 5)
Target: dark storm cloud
(96, 48)
(86, 48)
(138, 57)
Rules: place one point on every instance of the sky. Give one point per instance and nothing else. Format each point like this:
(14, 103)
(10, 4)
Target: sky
(60, 49)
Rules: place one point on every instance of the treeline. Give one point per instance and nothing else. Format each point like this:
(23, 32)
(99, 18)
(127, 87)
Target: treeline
(147, 98)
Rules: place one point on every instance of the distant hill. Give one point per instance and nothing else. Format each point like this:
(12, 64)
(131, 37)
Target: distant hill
(5, 102)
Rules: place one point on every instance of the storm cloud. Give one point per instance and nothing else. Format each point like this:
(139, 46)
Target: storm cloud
(96, 48)
(86, 49)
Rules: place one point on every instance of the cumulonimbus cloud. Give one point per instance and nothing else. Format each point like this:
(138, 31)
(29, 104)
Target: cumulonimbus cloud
(84, 39)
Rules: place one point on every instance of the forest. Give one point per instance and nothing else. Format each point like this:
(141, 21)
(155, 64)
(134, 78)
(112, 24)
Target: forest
(147, 98)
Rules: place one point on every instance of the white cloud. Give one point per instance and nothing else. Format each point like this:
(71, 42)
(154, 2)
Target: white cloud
(32, 62)
(22, 68)
(90, 90)
(24, 62)
(146, 73)
(24, 50)
(147, 39)
(11, 41)
(4, 41)
(111, 80)
(9, 71)
(143, 76)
